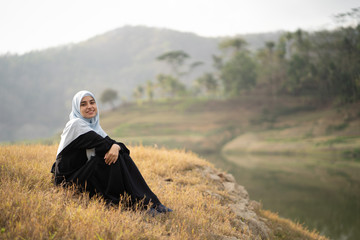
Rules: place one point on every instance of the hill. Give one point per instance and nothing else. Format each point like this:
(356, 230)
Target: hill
(37, 87)
(207, 203)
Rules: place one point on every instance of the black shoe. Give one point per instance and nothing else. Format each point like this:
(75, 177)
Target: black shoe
(162, 209)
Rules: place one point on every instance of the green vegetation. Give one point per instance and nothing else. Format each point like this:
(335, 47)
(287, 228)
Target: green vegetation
(109, 96)
(324, 65)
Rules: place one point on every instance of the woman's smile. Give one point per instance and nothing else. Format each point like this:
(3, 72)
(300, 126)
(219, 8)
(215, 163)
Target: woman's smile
(88, 107)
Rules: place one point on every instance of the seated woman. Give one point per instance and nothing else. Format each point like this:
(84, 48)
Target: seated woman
(96, 163)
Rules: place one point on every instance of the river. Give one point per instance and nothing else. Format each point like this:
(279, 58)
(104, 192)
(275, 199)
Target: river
(321, 193)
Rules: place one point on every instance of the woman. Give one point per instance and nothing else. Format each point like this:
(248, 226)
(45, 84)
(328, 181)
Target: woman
(96, 163)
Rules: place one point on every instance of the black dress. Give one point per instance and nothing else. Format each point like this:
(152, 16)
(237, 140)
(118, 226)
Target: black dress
(111, 182)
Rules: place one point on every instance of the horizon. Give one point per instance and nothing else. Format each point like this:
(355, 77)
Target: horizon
(40, 24)
(130, 26)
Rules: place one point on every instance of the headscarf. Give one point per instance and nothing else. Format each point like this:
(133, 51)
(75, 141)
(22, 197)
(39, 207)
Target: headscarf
(78, 125)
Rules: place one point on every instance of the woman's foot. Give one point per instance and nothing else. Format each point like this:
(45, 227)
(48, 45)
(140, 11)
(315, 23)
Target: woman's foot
(162, 209)
(158, 209)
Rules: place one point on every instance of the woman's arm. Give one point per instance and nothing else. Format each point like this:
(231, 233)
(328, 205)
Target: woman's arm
(123, 148)
(106, 147)
(112, 155)
(103, 146)
(92, 140)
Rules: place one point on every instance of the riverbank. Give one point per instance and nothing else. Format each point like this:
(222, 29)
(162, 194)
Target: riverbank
(207, 203)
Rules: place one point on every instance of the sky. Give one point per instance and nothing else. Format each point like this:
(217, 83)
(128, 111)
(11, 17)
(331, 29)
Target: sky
(27, 25)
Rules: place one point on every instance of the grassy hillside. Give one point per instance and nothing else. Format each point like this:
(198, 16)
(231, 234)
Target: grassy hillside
(32, 208)
(248, 124)
(304, 130)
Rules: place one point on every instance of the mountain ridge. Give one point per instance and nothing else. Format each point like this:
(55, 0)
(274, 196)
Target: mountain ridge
(37, 87)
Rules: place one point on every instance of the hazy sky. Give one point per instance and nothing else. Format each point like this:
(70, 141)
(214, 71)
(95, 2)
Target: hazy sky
(36, 24)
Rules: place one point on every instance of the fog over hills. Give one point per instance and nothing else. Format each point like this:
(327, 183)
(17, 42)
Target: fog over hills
(36, 88)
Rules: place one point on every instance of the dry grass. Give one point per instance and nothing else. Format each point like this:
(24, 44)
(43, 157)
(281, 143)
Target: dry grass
(32, 208)
(286, 229)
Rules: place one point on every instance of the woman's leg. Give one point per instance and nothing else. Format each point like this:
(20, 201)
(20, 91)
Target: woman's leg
(134, 183)
(117, 180)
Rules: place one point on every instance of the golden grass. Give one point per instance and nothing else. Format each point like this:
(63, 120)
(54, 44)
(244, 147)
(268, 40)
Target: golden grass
(31, 207)
(287, 229)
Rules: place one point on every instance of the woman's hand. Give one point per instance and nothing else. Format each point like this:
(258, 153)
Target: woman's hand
(112, 155)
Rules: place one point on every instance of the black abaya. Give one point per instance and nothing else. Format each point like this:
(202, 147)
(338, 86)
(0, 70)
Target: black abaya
(96, 177)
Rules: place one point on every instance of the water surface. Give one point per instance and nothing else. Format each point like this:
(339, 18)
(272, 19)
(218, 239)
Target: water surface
(321, 193)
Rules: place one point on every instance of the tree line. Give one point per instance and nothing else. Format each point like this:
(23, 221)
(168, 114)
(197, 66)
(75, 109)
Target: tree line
(323, 64)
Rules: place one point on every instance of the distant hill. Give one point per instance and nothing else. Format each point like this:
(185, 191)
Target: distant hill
(36, 88)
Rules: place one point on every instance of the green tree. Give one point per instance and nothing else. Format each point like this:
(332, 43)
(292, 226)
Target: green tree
(207, 83)
(338, 64)
(149, 89)
(175, 59)
(170, 86)
(239, 72)
(271, 73)
(302, 70)
(237, 44)
(348, 38)
(138, 93)
(109, 96)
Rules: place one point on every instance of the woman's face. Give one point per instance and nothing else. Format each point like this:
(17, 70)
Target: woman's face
(88, 108)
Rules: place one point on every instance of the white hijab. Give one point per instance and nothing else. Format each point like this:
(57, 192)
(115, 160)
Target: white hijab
(78, 125)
